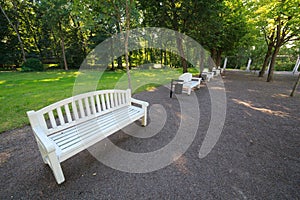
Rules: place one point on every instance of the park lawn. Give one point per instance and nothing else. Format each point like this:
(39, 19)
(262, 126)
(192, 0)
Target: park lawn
(21, 92)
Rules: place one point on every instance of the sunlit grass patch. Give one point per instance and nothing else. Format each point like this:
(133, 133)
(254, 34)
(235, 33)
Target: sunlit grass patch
(21, 92)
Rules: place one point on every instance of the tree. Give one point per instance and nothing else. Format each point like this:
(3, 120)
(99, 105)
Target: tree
(129, 4)
(169, 14)
(279, 22)
(16, 28)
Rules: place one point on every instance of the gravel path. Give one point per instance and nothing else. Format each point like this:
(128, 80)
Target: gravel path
(256, 156)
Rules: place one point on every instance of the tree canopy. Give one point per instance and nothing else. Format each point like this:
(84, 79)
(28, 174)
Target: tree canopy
(63, 32)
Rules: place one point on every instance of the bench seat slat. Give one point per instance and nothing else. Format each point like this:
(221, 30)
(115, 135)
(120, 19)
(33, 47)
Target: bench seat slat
(81, 135)
(103, 122)
(100, 120)
(76, 137)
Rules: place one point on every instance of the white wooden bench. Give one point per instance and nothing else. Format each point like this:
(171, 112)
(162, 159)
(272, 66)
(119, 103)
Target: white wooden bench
(80, 121)
(207, 75)
(189, 82)
(216, 71)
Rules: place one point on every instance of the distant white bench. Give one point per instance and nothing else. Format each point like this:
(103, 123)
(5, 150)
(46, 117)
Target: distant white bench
(207, 75)
(78, 122)
(189, 82)
(217, 71)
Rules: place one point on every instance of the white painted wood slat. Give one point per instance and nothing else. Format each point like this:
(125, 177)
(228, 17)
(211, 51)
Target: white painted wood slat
(75, 111)
(52, 119)
(81, 109)
(102, 124)
(68, 113)
(103, 102)
(98, 103)
(87, 106)
(60, 116)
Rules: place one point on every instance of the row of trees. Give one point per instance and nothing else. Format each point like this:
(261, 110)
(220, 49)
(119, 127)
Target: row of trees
(65, 31)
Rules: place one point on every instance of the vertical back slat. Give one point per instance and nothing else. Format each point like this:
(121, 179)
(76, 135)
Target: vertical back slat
(52, 119)
(128, 96)
(123, 98)
(75, 111)
(68, 113)
(93, 104)
(60, 116)
(81, 109)
(98, 103)
(112, 103)
(116, 99)
(103, 102)
(107, 101)
(119, 99)
(87, 106)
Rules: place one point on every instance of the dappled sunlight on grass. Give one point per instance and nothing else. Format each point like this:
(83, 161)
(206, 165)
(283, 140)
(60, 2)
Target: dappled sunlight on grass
(21, 92)
(263, 110)
(48, 80)
(151, 88)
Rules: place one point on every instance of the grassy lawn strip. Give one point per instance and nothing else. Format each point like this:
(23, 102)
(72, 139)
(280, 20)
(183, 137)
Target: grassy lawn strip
(21, 92)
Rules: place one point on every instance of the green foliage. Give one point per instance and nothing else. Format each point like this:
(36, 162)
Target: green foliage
(31, 65)
(225, 27)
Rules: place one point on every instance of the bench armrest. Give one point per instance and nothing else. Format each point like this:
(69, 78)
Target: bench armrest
(43, 140)
(142, 103)
(196, 79)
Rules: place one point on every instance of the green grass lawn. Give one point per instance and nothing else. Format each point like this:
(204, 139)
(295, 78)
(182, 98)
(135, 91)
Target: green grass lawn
(21, 92)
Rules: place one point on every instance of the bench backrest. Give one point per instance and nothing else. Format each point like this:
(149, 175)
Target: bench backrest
(77, 109)
(186, 77)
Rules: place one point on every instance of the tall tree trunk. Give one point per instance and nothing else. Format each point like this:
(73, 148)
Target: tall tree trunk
(202, 59)
(213, 54)
(178, 38)
(128, 7)
(161, 57)
(119, 61)
(267, 57)
(129, 59)
(272, 65)
(112, 54)
(295, 86)
(17, 32)
(181, 52)
(62, 43)
(219, 58)
(64, 53)
(276, 50)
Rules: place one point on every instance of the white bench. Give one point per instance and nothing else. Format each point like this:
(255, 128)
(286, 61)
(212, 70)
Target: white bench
(78, 122)
(189, 82)
(207, 75)
(217, 71)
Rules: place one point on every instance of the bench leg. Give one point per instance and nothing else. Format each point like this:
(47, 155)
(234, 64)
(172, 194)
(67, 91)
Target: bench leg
(43, 153)
(189, 90)
(56, 168)
(144, 118)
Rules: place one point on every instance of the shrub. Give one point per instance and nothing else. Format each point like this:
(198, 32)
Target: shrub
(32, 64)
